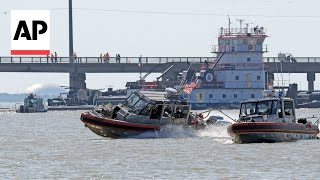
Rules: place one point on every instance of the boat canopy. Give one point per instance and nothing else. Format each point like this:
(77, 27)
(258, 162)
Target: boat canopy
(275, 109)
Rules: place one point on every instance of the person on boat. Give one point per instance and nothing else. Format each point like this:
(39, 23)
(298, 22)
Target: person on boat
(178, 113)
(156, 112)
(167, 112)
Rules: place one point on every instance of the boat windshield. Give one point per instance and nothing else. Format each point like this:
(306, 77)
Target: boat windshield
(267, 107)
(141, 104)
(132, 99)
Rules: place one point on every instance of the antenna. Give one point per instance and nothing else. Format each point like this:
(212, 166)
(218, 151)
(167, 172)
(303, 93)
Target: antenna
(229, 24)
(240, 21)
(247, 27)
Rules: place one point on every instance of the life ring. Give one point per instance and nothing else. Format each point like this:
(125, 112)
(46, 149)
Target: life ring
(250, 47)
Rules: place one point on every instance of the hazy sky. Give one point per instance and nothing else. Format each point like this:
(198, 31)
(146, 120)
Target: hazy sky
(160, 28)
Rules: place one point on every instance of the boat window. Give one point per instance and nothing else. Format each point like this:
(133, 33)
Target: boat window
(260, 108)
(274, 107)
(139, 105)
(288, 108)
(181, 112)
(132, 100)
(264, 107)
(243, 110)
(249, 108)
(147, 110)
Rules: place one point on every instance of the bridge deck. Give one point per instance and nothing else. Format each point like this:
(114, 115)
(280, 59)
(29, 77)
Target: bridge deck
(132, 65)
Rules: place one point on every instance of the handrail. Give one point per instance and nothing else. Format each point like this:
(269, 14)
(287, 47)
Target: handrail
(144, 60)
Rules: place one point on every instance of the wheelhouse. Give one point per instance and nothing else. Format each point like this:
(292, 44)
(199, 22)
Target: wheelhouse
(156, 106)
(268, 109)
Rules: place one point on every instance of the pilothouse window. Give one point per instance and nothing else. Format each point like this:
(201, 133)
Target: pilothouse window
(288, 108)
(139, 105)
(132, 100)
(259, 108)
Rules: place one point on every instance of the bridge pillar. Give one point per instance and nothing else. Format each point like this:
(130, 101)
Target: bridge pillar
(311, 77)
(77, 81)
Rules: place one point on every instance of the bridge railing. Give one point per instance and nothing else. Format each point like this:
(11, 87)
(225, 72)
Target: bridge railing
(143, 60)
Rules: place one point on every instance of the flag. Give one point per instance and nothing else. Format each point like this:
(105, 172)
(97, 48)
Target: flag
(189, 87)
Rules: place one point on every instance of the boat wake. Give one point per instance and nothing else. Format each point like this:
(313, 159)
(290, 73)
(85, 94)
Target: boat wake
(169, 131)
(217, 132)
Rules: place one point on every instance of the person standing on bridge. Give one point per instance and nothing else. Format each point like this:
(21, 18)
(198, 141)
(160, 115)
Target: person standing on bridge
(119, 58)
(108, 57)
(100, 59)
(75, 57)
(105, 58)
(51, 58)
(55, 57)
(48, 58)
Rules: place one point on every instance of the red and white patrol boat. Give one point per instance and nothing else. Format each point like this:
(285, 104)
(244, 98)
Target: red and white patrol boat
(142, 111)
(271, 119)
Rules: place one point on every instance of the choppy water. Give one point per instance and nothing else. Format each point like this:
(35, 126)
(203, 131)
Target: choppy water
(56, 145)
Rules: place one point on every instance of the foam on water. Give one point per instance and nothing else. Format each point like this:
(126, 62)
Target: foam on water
(169, 131)
(218, 133)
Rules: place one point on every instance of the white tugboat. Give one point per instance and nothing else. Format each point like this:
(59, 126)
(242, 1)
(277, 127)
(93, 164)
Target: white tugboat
(237, 72)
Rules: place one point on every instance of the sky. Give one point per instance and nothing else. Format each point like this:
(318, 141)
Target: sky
(161, 28)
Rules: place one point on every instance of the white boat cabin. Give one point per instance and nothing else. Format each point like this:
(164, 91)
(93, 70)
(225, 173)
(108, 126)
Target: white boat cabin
(268, 110)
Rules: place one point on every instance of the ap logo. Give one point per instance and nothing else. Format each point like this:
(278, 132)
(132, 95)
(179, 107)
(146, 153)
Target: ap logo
(30, 32)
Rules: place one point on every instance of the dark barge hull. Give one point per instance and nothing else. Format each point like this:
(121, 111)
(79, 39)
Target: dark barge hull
(115, 128)
(270, 132)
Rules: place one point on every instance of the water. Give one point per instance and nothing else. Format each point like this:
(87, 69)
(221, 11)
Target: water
(56, 145)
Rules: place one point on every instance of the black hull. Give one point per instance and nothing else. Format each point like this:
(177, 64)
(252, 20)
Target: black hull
(268, 132)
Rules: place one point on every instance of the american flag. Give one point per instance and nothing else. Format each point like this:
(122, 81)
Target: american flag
(189, 87)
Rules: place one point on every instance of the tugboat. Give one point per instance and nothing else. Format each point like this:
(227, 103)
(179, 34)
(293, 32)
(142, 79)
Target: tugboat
(271, 119)
(141, 112)
(32, 104)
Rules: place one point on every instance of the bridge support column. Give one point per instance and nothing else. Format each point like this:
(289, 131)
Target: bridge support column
(311, 77)
(77, 81)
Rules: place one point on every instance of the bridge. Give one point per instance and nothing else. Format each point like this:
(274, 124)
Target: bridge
(82, 65)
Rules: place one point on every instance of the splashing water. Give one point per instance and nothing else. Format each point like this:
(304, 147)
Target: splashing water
(217, 132)
(170, 131)
(214, 131)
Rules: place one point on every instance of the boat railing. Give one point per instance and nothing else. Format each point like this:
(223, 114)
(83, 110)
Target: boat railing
(239, 48)
(242, 31)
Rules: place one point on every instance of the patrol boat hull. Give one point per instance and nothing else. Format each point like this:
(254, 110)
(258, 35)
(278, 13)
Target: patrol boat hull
(269, 132)
(115, 128)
